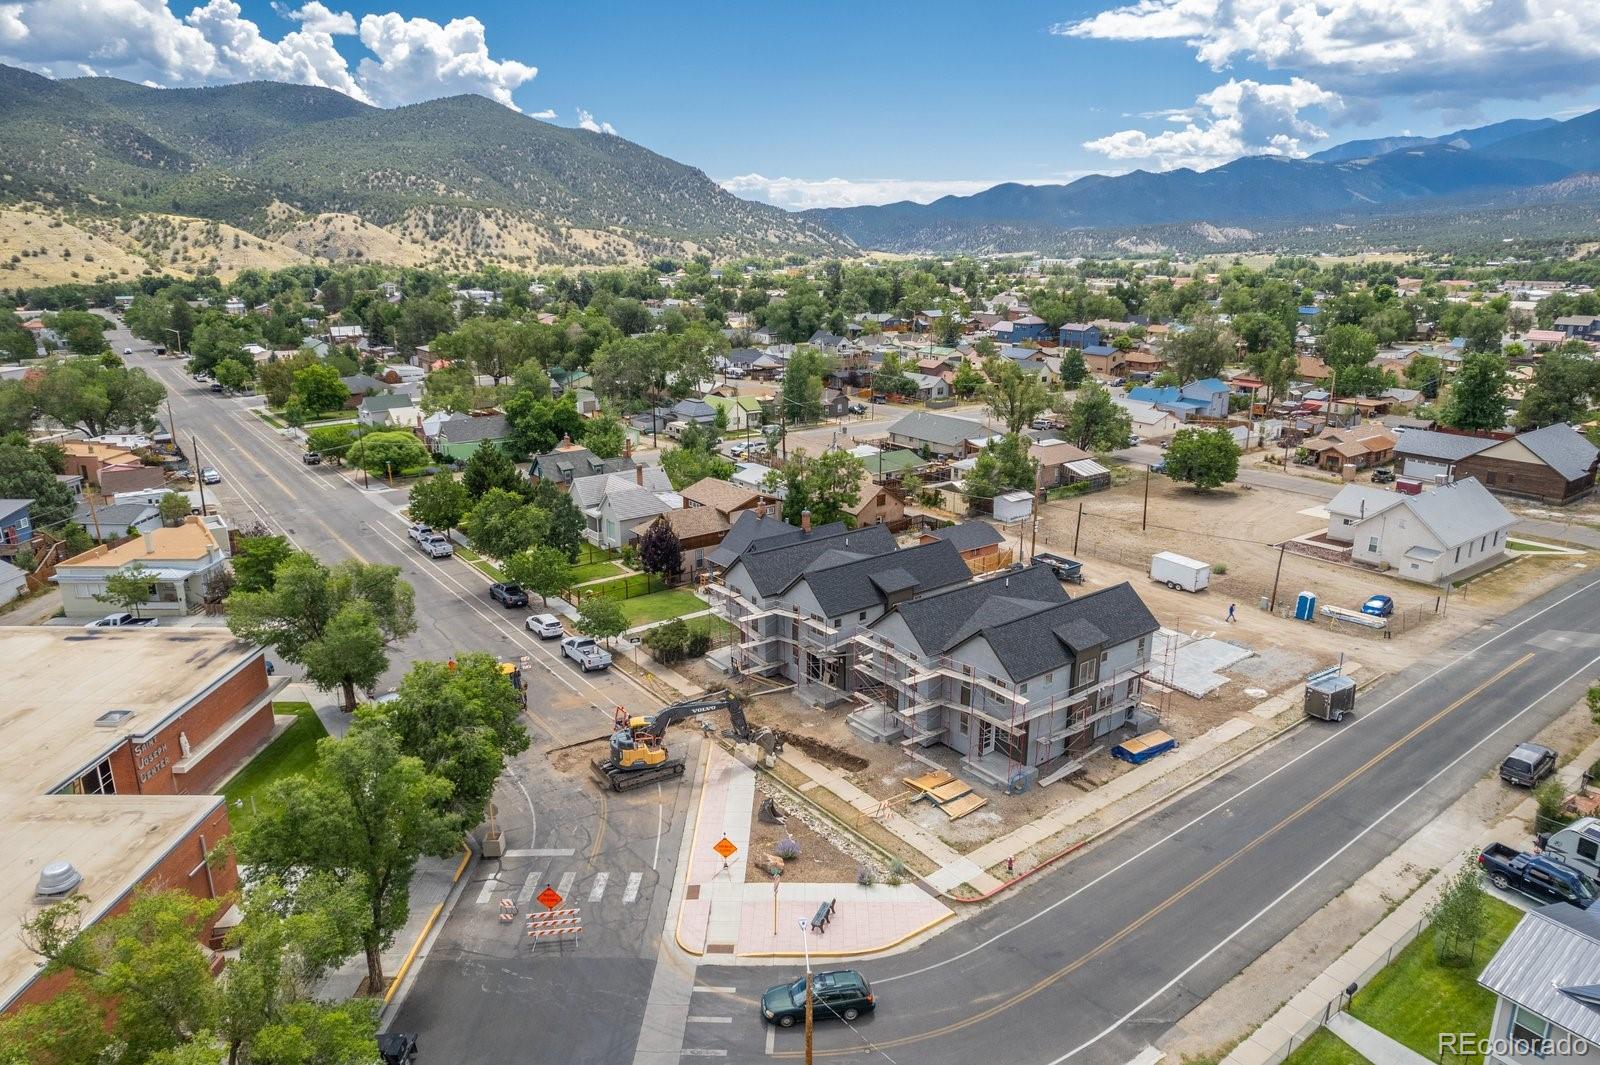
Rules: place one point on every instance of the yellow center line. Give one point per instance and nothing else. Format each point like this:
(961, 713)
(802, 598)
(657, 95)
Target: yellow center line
(1172, 900)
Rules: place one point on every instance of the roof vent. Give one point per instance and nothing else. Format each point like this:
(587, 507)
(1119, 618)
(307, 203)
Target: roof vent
(57, 880)
(112, 718)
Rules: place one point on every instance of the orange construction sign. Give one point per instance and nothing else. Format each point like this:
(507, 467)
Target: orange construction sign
(549, 898)
(725, 847)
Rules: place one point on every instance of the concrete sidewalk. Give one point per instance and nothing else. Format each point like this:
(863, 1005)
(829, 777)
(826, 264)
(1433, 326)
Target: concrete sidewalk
(1373, 1044)
(721, 914)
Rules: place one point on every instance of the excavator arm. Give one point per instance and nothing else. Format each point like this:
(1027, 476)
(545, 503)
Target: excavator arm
(656, 725)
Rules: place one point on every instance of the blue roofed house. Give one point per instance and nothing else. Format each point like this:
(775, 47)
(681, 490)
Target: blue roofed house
(16, 525)
(1080, 335)
(1029, 327)
(1210, 391)
(1170, 399)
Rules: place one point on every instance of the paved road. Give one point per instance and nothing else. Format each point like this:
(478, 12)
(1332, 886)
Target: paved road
(561, 830)
(1098, 959)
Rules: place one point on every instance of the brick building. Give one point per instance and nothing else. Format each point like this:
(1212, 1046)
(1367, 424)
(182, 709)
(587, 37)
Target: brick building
(116, 741)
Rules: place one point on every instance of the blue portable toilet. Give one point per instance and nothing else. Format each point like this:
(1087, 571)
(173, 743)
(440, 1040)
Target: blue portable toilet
(1305, 607)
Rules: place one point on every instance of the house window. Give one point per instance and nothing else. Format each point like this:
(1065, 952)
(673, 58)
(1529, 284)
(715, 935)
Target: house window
(1086, 672)
(1372, 545)
(836, 622)
(1529, 1032)
(1483, 542)
(1488, 477)
(1458, 554)
(1049, 678)
(1022, 689)
(862, 616)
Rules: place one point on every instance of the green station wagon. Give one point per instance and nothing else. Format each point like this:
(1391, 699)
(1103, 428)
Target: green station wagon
(842, 993)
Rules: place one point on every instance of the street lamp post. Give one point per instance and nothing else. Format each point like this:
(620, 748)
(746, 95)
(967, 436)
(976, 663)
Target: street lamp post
(179, 335)
(805, 941)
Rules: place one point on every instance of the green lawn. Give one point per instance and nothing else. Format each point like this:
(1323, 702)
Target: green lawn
(588, 553)
(1522, 545)
(1324, 1048)
(276, 423)
(1415, 998)
(660, 606)
(293, 752)
(717, 627)
(478, 562)
(634, 584)
(593, 571)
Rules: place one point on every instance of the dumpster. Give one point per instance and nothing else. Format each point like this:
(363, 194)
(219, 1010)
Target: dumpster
(1141, 749)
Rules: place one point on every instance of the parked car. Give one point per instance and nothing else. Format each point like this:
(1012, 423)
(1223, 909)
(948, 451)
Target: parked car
(200, 378)
(546, 626)
(841, 993)
(880, 399)
(160, 350)
(508, 595)
(436, 546)
(209, 475)
(122, 621)
(1527, 764)
(312, 458)
(1379, 606)
(858, 408)
(584, 651)
(127, 351)
(1542, 879)
(1382, 476)
(1577, 845)
(418, 530)
(216, 386)
(733, 372)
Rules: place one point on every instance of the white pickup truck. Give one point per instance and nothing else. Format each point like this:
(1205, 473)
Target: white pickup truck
(435, 545)
(584, 651)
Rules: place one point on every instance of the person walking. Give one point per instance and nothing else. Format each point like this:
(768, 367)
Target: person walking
(1231, 618)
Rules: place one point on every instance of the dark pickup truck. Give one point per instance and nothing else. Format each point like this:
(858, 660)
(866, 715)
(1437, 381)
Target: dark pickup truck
(1540, 878)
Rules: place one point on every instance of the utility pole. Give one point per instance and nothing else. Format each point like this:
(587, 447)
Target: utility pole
(199, 474)
(1144, 518)
(94, 515)
(1077, 530)
(1034, 548)
(172, 425)
(1272, 603)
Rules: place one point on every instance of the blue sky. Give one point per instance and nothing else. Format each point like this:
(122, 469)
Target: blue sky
(843, 102)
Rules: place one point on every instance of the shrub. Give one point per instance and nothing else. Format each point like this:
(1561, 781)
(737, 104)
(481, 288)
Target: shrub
(1551, 797)
(670, 642)
(866, 876)
(788, 849)
(1219, 568)
(630, 556)
(897, 872)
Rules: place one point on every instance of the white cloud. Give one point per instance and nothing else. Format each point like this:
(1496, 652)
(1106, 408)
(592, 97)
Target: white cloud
(146, 41)
(418, 60)
(1236, 118)
(1443, 53)
(587, 121)
(798, 194)
(547, 115)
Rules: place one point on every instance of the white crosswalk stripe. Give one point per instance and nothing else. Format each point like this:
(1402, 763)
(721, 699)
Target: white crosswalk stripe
(598, 891)
(488, 891)
(631, 892)
(530, 887)
(593, 890)
(564, 889)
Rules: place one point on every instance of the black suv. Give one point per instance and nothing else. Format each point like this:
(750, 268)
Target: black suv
(511, 595)
(1528, 764)
(843, 993)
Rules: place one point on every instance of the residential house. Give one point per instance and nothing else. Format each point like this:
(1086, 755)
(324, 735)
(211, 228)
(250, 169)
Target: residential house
(1103, 360)
(569, 462)
(724, 497)
(1080, 335)
(1010, 671)
(929, 387)
(347, 335)
(980, 544)
(116, 520)
(233, 305)
(1150, 422)
(1170, 399)
(1446, 534)
(1210, 392)
(86, 459)
(1554, 464)
(835, 403)
(1061, 464)
(178, 562)
(743, 412)
(1363, 445)
(16, 525)
(891, 465)
(460, 435)
(876, 505)
(1546, 981)
(1028, 327)
(13, 582)
(1142, 361)
(752, 526)
(612, 504)
(710, 509)
(1354, 504)
(940, 434)
(1581, 326)
(359, 386)
(695, 411)
(378, 410)
(795, 604)
(823, 340)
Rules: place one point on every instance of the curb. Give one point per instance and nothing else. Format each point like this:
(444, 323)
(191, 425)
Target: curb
(914, 933)
(411, 955)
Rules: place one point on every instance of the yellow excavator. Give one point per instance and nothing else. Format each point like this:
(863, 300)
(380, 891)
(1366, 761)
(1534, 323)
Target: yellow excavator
(639, 754)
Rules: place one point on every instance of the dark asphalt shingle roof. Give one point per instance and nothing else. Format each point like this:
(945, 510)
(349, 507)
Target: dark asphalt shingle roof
(969, 535)
(115, 518)
(563, 467)
(1447, 447)
(1563, 449)
(749, 528)
(774, 566)
(941, 429)
(940, 619)
(1108, 617)
(859, 583)
(465, 429)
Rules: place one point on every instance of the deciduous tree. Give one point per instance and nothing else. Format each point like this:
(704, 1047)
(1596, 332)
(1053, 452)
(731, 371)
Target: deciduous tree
(1095, 422)
(384, 453)
(129, 587)
(1015, 398)
(828, 485)
(440, 501)
(319, 388)
(256, 561)
(1205, 458)
(503, 523)
(545, 570)
(1477, 397)
(26, 474)
(604, 436)
(601, 618)
(660, 552)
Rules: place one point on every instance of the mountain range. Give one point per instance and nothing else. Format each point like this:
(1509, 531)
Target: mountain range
(319, 174)
(1362, 178)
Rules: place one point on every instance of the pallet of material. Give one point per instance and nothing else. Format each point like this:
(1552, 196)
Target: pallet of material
(928, 781)
(949, 792)
(963, 806)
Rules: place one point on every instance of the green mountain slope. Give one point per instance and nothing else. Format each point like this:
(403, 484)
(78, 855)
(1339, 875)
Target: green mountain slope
(463, 171)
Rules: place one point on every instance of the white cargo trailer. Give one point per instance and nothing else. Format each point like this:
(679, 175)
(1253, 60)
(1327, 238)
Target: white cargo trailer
(1176, 571)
